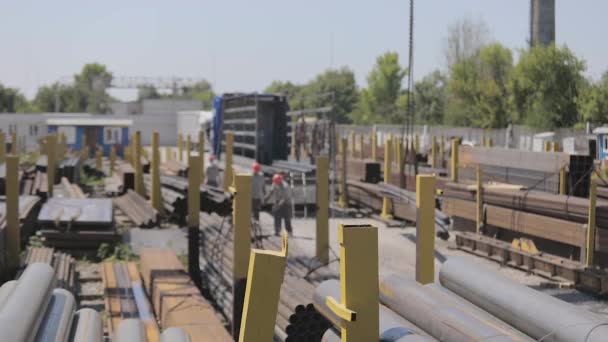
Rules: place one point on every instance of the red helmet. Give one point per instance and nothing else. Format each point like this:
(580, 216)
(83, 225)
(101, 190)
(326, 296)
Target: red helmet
(256, 167)
(211, 158)
(277, 179)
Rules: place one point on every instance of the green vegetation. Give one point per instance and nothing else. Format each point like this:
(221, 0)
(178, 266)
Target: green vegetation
(117, 252)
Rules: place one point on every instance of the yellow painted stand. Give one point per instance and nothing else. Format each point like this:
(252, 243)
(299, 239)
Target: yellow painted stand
(352, 144)
(322, 193)
(547, 146)
(51, 153)
(14, 143)
(98, 161)
(454, 160)
(398, 152)
(416, 143)
(188, 145)
(490, 142)
(63, 143)
(562, 180)
(228, 172)
(483, 141)
(374, 143)
(139, 177)
(112, 159)
(343, 198)
(2, 148)
(264, 279)
(386, 202)
(425, 229)
(358, 307)
(180, 147)
(13, 235)
(590, 251)
(155, 193)
(201, 152)
(362, 146)
(553, 146)
(479, 194)
(442, 152)
(241, 218)
(433, 152)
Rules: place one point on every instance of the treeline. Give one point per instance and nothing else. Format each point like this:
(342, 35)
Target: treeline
(87, 93)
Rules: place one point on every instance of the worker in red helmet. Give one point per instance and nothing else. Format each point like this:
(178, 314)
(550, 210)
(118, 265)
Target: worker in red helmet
(212, 173)
(258, 190)
(281, 207)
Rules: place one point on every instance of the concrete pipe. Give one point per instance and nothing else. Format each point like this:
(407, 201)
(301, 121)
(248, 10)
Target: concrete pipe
(393, 328)
(442, 317)
(174, 335)
(5, 291)
(534, 313)
(87, 326)
(130, 330)
(22, 313)
(57, 320)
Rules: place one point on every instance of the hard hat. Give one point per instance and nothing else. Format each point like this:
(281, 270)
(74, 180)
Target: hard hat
(256, 167)
(211, 158)
(277, 179)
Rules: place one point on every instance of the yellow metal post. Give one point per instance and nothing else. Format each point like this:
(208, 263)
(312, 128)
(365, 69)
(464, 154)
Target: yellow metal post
(194, 207)
(322, 193)
(155, 193)
(547, 146)
(591, 224)
(362, 146)
(479, 199)
(442, 152)
(139, 177)
(14, 143)
(241, 218)
(352, 144)
(454, 160)
(98, 161)
(201, 152)
(359, 291)
(180, 147)
(51, 153)
(433, 152)
(264, 279)
(13, 235)
(112, 159)
(343, 198)
(483, 141)
(553, 146)
(416, 143)
(387, 178)
(398, 152)
(188, 145)
(228, 175)
(562, 180)
(374, 143)
(490, 142)
(2, 148)
(425, 229)
(63, 143)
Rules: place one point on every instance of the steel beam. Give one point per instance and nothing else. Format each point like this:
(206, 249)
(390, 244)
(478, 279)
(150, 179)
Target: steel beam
(534, 313)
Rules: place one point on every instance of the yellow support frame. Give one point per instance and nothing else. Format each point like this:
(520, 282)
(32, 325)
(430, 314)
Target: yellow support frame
(2, 148)
(139, 177)
(433, 152)
(479, 198)
(13, 234)
(562, 180)
(490, 142)
(188, 144)
(180, 147)
(374, 143)
(264, 279)
(14, 143)
(425, 229)
(454, 160)
(63, 143)
(98, 161)
(359, 290)
(201, 153)
(322, 193)
(51, 153)
(591, 228)
(112, 159)
(343, 198)
(386, 202)
(442, 152)
(155, 193)
(362, 146)
(416, 143)
(241, 218)
(228, 172)
(352, 144)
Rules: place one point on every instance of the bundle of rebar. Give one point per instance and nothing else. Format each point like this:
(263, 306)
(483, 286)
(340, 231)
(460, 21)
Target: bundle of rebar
(174, 202)
(139, 211)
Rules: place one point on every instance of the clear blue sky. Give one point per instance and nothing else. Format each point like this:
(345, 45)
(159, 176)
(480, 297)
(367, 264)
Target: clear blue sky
(244, 44)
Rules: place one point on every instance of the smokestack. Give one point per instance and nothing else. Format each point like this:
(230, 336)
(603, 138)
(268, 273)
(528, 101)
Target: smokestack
(542, 22)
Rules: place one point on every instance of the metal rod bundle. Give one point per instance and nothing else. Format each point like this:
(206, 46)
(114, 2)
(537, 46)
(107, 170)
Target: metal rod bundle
(539, 315)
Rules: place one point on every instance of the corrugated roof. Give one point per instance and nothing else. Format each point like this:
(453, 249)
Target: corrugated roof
(89, 121)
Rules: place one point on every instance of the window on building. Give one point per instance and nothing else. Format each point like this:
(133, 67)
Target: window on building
(112, 135)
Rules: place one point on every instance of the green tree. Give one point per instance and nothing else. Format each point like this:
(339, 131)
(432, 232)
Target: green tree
(545, 87)
(334, 87)
(147, 91)
(594, 102)
(92, 82)
(294, 93)
(68, 98)
(430, 96)
(201, 91)
(378, 102)
(478, 88)
(11, 100)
